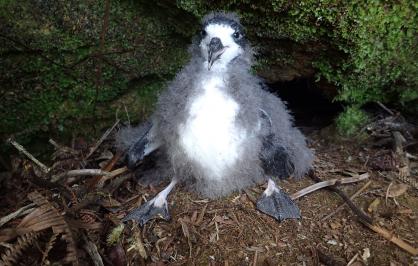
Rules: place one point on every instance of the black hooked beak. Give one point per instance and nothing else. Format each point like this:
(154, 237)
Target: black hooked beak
(216, 49)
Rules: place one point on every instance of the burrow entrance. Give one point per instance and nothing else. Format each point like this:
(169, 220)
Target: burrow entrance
(309, 103)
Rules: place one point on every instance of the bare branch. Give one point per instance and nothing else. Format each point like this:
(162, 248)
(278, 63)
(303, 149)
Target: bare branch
(359, 212)
(351, 198)
(20, 148)
(22, 211)
(392, 238)
(80, 172)
(385, 108)
(105, 135)
(91, 249)
(328, 183)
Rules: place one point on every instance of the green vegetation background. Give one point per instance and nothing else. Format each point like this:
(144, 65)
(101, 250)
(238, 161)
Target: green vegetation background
(57, 75)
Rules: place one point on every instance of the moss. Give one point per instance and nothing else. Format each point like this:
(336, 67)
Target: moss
(381, 56)
(366, 48)
(148, 95)
(50, 65)
(351, 120)
(138, 103)
(49, 51)
(114, 236)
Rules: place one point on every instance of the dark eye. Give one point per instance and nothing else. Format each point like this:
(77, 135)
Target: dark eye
(237, 35)
(203, 33)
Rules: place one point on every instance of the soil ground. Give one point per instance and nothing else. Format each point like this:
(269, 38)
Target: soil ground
(230, 231)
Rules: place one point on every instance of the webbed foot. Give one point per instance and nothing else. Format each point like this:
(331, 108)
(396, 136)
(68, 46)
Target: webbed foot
(157, 207)
(148, 211)
(276, 203)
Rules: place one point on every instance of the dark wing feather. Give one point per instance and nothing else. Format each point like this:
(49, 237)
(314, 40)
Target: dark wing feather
(275, 159)
(136, 151)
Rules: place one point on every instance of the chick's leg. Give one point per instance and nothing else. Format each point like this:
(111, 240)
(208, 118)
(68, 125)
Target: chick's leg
(276, 203)
(156, 207)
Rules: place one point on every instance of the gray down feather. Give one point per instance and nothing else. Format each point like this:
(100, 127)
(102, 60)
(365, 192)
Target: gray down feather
(246, 89)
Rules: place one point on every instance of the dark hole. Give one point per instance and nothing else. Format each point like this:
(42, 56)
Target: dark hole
(309, 103)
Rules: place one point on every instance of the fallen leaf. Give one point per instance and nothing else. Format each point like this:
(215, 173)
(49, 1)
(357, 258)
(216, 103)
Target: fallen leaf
(281, 244)
(335, 225)
(397, 190)
(373, 206)
(194, 217)
(405, 211)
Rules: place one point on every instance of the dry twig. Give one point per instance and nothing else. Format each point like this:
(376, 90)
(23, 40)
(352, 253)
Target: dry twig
(99, 142)
(20, 148)
(22, 211)
(367, 220)
(405, 167)
(91, 249)
(353, 259)
(360, 213)
(385, 108)
(392, 238)
(186, 233)
(255, 258)
(62, 148)
(341, 207)
(80, 172)
(99, 181)
(328, 183)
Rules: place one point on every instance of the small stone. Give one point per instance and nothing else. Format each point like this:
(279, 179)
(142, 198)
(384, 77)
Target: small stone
(366, 254)
(332, 242)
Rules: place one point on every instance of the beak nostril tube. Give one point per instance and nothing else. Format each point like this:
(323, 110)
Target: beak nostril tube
(215, 50)
(215, 44)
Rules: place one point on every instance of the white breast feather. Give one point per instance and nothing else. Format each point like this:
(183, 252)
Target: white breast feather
(210, 136)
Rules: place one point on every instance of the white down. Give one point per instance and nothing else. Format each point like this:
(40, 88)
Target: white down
(210, 136)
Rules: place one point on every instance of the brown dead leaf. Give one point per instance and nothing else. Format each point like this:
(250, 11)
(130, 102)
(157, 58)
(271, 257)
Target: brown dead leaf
(373, 205)
(201, 215)
(335, 225)
(139, 244)
(405, 211)
(110, 203)
(184, 228)
(397, 190)
(194, 217)
(281, 244)
(186, 233)
(222, 220)
(404, 171)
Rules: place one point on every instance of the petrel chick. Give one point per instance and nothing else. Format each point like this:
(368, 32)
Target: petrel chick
(219, 129)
